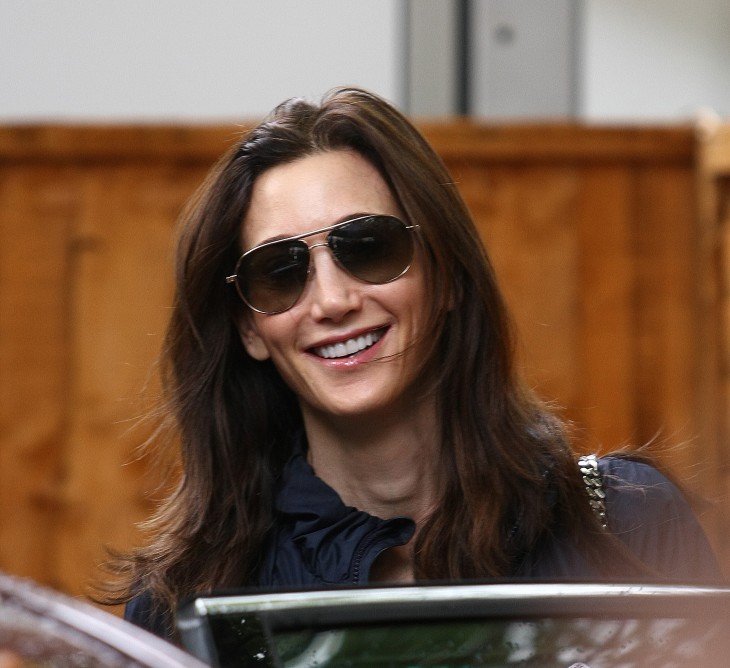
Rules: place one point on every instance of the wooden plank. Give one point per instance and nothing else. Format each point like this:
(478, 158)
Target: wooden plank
(522, 215)
(561, 242)
(720, 455)
(105, 143)
(531, 234)
(121, 297)
(715, 145)
(605, 389)
(37, 210)
(560, 143)
(472, 140)
(667, 315)
(712, 394)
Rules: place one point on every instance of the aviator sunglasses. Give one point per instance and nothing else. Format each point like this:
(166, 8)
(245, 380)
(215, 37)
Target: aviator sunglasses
(271, 277)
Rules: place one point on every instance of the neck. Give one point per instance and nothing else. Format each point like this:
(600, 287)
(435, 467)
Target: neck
(387, 467)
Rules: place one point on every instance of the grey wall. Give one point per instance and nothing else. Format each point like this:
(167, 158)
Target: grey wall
(524, 58)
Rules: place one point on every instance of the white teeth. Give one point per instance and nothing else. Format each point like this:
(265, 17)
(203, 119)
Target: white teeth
(349, 347)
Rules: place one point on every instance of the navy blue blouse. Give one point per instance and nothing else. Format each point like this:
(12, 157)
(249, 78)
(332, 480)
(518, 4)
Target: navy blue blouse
(319, 541)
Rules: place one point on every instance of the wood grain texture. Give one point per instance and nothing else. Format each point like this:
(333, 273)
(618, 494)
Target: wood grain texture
(34, 367)
(610, 257)
(713, 187)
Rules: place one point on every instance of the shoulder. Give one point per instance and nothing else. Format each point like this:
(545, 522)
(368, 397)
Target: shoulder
(639, 497)
(653, 518)
(632, 485)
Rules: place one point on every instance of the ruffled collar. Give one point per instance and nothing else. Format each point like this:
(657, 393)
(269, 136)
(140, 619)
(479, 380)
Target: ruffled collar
(337, 543)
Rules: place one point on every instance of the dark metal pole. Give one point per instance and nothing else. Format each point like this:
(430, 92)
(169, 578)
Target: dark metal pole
(463, 57)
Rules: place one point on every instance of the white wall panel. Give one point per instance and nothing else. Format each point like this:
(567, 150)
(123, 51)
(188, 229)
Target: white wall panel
(655, 59)
(190, 59)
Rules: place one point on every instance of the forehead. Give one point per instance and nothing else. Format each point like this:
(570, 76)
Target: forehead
(314, 192)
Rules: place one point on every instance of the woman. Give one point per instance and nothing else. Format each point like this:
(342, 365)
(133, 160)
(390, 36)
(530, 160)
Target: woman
(340, 376)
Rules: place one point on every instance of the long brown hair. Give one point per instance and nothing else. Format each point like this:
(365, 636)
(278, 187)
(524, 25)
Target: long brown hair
(510, 473)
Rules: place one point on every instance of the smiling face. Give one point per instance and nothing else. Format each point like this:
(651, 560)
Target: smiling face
(346, 348)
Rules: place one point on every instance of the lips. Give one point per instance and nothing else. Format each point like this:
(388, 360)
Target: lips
(349, 347)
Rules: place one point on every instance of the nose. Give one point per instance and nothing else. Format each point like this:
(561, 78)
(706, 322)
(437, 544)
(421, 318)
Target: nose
(332, 292)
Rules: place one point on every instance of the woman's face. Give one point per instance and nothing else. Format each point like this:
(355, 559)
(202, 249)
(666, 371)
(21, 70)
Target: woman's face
(382, 322)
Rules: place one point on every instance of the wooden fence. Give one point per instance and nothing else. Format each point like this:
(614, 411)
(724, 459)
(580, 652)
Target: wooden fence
(609, 244)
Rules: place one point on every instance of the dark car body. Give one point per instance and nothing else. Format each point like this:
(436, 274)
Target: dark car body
(503, 624)
(40, 627)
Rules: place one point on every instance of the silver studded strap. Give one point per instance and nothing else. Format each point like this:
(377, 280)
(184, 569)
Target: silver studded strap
(588, 465)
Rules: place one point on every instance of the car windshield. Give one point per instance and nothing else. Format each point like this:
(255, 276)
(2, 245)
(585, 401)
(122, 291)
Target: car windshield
(541, 642)
(597, 626)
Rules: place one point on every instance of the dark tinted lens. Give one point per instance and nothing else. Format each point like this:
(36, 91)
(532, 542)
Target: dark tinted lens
(271, 278)
(376, 249)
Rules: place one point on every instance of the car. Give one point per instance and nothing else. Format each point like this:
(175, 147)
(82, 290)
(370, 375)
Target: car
(41, 627)
(593, 625)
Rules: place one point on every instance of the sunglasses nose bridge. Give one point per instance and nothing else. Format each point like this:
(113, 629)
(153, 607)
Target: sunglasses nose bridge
(320, 244)
(317, 245)
(325, 243)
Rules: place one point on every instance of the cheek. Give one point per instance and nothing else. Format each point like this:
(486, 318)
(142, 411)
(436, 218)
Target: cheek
(415, 297)
(416, 303)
